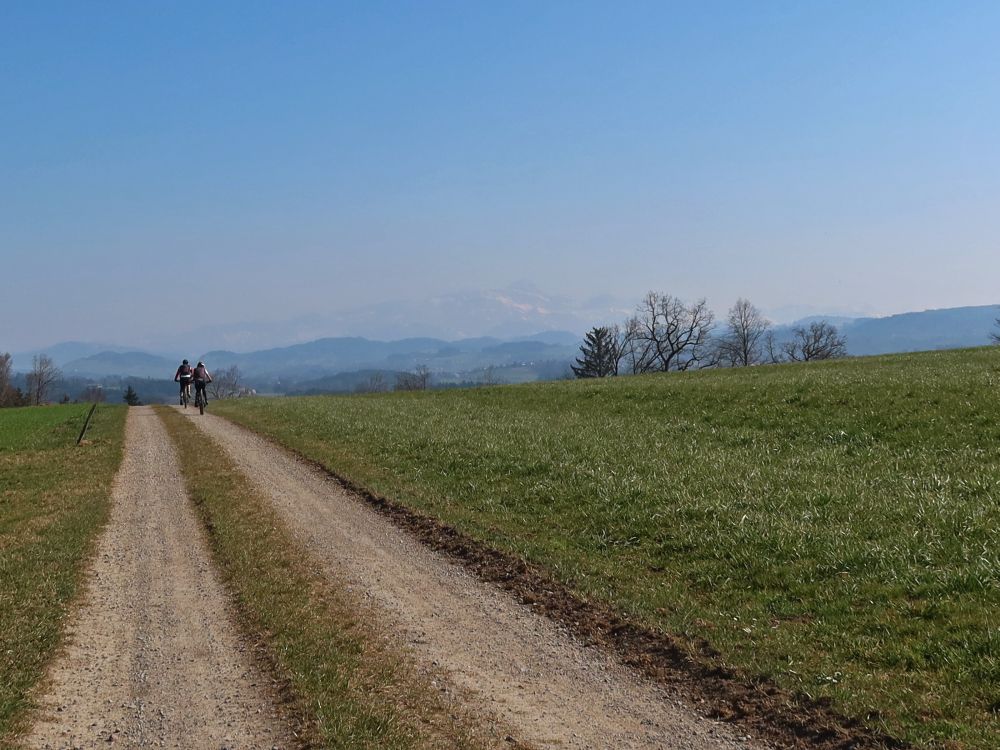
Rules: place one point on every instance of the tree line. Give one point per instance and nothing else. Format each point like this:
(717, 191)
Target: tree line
(422, 379)
(44, 377)
(38, 382)
(665, 334)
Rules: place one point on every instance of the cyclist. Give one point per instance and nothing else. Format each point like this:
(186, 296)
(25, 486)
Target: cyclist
(201, 379)
(184, 375)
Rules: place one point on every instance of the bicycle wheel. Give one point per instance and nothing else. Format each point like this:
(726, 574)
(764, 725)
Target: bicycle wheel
(201, 404)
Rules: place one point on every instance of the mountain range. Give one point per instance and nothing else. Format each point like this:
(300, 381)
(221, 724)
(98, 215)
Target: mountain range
(538, 355)
(515, 311)
(950, 328)
(289, 365)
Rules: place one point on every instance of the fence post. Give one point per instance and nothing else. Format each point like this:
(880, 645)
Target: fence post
(86, 424)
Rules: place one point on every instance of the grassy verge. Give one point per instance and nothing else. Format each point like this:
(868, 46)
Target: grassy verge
(833, 527)
(54, 498)
(349, 688)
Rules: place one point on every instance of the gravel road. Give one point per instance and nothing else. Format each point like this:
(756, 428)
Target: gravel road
(152, 658)
(502, 659)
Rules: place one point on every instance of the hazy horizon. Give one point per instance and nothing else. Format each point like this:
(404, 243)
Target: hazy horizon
(254, 335)
(175, 167)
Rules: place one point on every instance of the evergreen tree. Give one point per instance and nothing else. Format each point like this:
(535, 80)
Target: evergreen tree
(131, 397)
(599, 354)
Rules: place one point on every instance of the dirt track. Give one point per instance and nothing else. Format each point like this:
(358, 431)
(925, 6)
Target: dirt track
(152, 658)
(503, 659)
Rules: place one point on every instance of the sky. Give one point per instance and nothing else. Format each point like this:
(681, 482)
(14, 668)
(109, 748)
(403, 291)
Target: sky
(167, 164)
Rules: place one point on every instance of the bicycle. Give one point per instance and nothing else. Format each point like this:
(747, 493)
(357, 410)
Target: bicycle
(200, 399)
(186, 395)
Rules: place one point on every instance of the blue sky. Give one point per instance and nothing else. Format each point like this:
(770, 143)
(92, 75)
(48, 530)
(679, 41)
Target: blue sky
(267, 160)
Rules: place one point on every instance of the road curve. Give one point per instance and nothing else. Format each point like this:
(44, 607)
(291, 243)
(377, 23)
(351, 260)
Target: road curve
(152, 658)
(504, 660)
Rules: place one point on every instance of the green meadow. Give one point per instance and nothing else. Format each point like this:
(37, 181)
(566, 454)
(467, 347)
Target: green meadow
(54, 498)
(833, 527)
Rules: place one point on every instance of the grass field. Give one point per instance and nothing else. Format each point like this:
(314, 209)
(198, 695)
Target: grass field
(54, 497)
(832, 526)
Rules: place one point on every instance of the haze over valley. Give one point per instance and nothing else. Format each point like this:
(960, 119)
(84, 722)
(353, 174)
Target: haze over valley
(523, 335)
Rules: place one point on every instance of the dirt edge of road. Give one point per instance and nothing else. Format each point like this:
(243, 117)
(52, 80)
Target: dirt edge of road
(754, 703)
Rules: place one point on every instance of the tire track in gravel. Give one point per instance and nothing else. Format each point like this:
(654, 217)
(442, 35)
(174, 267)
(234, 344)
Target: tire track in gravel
(502, 659)
(152, 658)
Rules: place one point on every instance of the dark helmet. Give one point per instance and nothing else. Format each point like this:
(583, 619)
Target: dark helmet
(201, 364)
(184, 362)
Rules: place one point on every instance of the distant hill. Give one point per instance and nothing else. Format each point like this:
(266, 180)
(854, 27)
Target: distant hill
(135, 364)
(314, 364)
(65, 352)
(515, 311)
(330, 356)
(950, 328)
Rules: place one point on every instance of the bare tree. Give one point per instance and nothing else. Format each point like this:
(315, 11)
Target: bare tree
(669, 335)
(374, 384)
(743, 343)
(377, 383)
(6, 365)
(43, 374)
(490, 376)
(772, 351)
(632, 351)
(418, 380)
(226, 383)
(9, 395)
(820, 341)
(995, 335)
